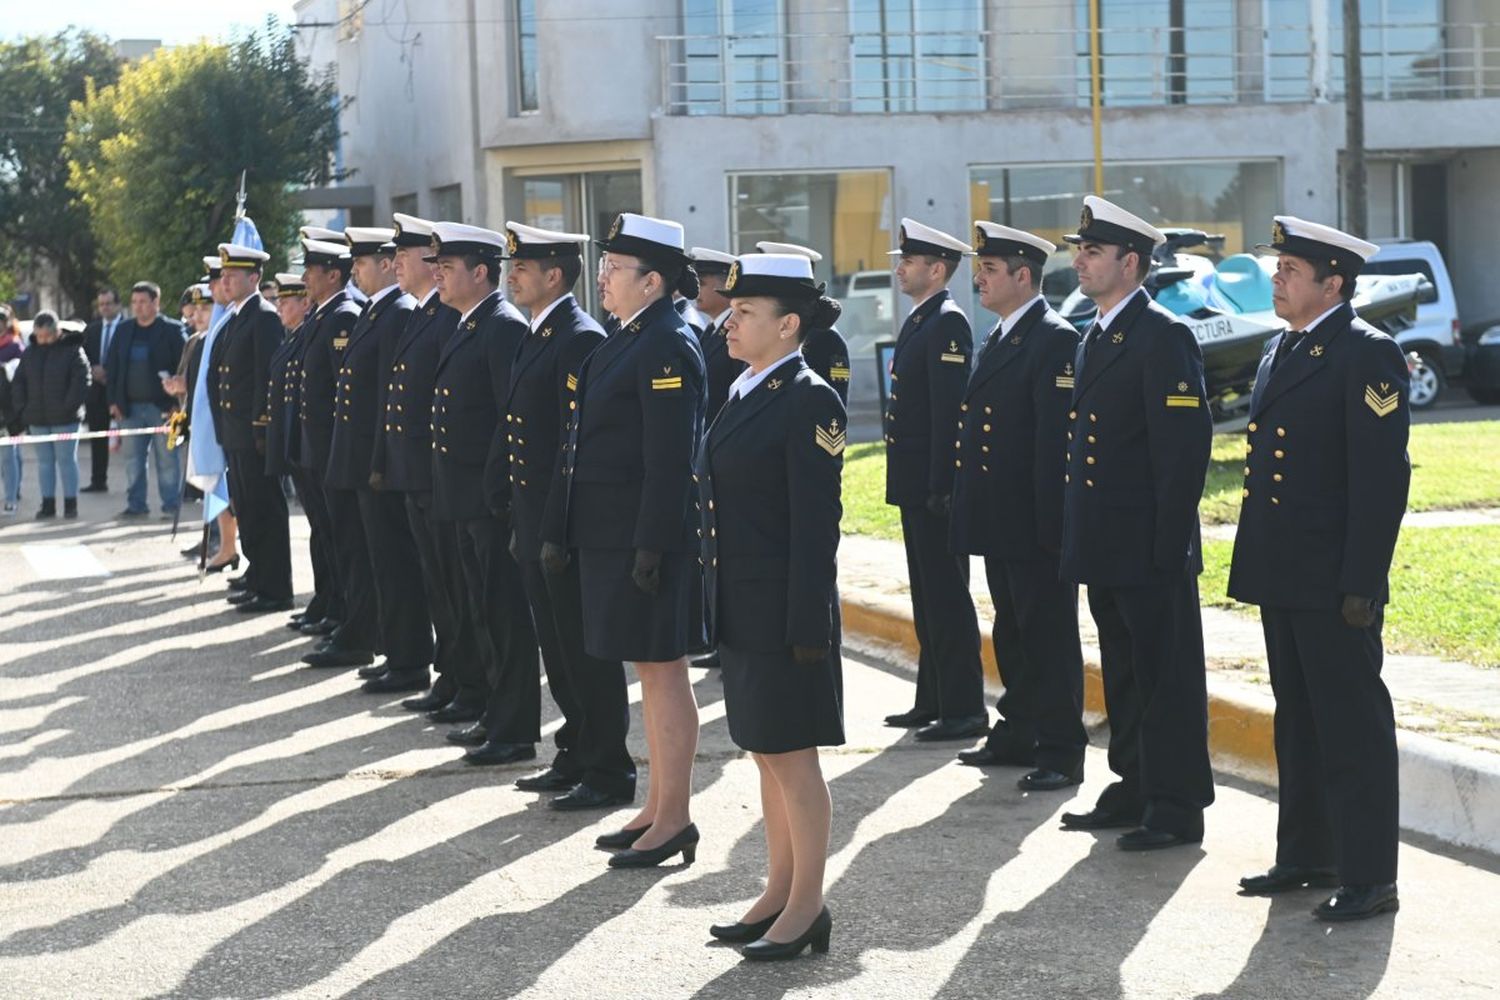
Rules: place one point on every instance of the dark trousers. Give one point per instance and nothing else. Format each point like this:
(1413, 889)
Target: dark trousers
(97, 416)
(1155, 690)
(261, 513)
(328, 599)
(589, 691)
(950, 677)
(357, 629)
(1335, 746)
(403, 624)
(446, 603)
(1041, 663)
(507, 640)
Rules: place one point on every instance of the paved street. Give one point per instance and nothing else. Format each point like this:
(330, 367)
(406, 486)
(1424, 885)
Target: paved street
(185, 811)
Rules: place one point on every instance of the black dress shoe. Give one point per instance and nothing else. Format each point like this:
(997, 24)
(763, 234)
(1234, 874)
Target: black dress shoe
(94, 488)
(1288, 878)
(239, 583)
(910, 719)
(468, 736)
(988, 756)
(337, 658)
(323, 627)
(415, 679)
(817, 935)
(491, 752)
(1100, 819)
(261, 605)
(708, 661)
(684, 843)
(241, 597)
(550, 780)
(191, 552)
(433, 699)
(962, 728)
(739, 933)
(1146, 839)
(457, 711)
(1044, 780)
(296, 622)
(584, 797)
(620, 838)
(370, 671)
(1357, 902)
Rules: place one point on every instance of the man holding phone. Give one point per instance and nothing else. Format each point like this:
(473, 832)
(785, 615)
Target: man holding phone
(143, 354)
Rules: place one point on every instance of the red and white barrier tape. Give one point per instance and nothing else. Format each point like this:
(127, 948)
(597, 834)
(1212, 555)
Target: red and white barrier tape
(81, 435)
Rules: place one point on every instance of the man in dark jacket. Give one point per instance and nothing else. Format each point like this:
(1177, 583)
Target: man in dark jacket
(98, 335)
(143, 353)
(46, 397)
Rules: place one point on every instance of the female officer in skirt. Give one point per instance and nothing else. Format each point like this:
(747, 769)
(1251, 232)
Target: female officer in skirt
(624, 504)
(769, 471)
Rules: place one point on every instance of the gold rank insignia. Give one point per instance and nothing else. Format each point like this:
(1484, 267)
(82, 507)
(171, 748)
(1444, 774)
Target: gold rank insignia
(1016, 339)
(1187, 401)
(572, 382)
(1316, 350)
(1383, 405)
(1065, 380)
(339, 343)
(471, 324)
(830, 439)
(774, 384)
(839, 370)
(1117, 338)
(1182, 387)
(951, 355)
(432, 310)
(667, 384)
(1278, 234)
(1068, 368)
(546, 332)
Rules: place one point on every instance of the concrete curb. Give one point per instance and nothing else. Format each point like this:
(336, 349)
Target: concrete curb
(1448, 792)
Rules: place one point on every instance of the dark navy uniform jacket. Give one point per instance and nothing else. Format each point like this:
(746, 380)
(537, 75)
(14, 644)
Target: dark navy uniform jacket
(468, 404)
(359, 393)
(929, 371)
(769, 475)
(403, 448)
(1012, 440)
(627, 469)
(1137, 453)
(692, 316)
(827, 354)
(721, 369)
(539, 406)
(241, 368)
(322, 353)
(1327, 473)
(283, 436)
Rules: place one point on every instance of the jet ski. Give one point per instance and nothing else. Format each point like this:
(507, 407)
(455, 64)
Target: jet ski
(1226, 302)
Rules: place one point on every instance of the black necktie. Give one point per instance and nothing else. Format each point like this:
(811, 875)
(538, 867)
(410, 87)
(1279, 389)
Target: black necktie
(1089, 342)
(1289, 342)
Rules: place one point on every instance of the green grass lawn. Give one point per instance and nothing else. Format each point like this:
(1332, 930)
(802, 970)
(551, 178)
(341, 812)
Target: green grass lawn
(1445, 592)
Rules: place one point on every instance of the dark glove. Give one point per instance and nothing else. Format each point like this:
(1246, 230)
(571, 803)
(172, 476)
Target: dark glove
(1359, 612)
(647, 571)
(940, 504)
(377, 481)
(554, 559)
(809, 655)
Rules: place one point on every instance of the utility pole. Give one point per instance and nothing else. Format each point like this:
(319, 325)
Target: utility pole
(1356, 203)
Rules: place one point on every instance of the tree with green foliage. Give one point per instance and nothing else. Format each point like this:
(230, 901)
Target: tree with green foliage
(40, 216)
(156, 157)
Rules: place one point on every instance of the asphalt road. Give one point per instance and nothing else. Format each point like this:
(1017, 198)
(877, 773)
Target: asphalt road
(186, 812)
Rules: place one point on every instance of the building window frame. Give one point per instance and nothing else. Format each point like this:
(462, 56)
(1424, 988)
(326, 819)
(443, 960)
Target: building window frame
(525, 58)
(917, 97)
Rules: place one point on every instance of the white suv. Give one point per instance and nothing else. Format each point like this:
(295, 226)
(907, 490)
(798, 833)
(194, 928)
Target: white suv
(1434, 350)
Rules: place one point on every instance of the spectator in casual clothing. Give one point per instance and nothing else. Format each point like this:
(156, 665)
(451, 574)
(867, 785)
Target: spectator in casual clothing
(47, 396)
(10, 455)
(143, 355)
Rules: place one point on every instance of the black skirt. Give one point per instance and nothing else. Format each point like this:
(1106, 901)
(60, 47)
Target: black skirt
(776, 705)
(623, 622)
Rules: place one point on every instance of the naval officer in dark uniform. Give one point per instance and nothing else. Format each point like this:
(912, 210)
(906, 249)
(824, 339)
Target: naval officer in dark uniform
(592, 765)
(929, 370)
(721, 368)
(823, 348)
(769, 471)
(468, 410)
(1326, 479)
(240, 369)
(347, 625)
(402, 622)
(1007, 507)
(1137, 457)
(624, 503)
(402, 463)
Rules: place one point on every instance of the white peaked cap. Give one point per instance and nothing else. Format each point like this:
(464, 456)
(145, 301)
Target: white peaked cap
(770, 246)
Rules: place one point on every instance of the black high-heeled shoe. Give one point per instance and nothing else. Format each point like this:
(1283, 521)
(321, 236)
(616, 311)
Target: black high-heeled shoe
(775, 951)
(739, 933)
(685, 843)
(233, 563)
(620, 838)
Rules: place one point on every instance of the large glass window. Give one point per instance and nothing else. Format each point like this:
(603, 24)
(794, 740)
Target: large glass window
(577, 203)
(406, 204)
(1235, 199)
(732, 57)
(526, 60)
(448, 203)
(1402, 42)
(846, 216)
(1160, 51)
(917, 55)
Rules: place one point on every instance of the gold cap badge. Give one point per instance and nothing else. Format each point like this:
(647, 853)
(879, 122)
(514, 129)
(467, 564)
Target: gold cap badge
(1278, 233)
(1086, 219)
(734, 277)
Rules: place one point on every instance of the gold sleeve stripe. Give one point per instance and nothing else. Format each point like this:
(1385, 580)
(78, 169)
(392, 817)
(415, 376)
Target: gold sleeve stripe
(839, 374)
(956, 359)
(1188, 401)
(667, 383)
(1382, 405)
(572, 382)
(1065, 381)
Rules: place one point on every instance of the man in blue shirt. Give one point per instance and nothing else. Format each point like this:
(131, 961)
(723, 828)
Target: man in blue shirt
(144, 351)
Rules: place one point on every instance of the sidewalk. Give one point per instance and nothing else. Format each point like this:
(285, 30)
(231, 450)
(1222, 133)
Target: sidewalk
(1448, 713)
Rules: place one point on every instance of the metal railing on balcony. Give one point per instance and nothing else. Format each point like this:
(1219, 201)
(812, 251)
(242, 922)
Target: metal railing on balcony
(915, 71)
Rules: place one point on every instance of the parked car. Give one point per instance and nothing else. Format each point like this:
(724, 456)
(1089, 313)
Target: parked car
(1482, 366)
(876, 286)
(1433, 344)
